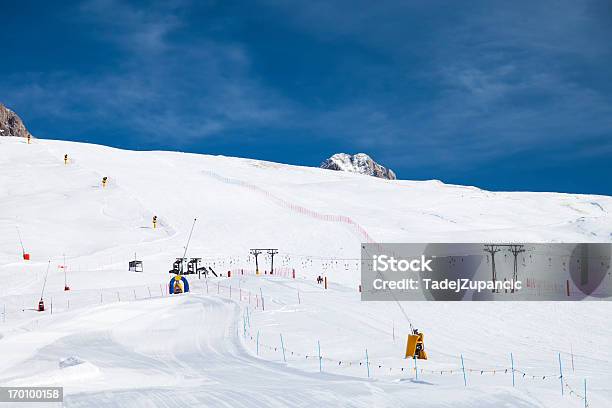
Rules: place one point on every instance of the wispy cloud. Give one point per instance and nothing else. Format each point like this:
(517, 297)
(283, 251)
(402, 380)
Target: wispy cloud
(501, 78)
(160, 88)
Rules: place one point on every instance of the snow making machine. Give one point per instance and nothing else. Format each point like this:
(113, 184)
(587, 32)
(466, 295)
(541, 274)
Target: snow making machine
(415, 346)
(178, 284)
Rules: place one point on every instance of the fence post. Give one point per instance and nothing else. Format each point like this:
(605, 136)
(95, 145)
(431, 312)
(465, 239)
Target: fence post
(560, 374)
(299, 300)
(463, 369)
(257, 342)
(320, 358)
(283, 347)
(368, 363)
(512, 363)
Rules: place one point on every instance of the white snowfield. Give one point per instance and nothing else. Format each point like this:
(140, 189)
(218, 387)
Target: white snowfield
(118, 339)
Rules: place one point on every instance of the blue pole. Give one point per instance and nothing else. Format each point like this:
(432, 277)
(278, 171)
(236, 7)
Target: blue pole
(257, 342)
(585, 395)
(512, 362)
(367, 363)
(320, 362)
(560, 374)
(463, 368)
(244, 326)
(283, 347)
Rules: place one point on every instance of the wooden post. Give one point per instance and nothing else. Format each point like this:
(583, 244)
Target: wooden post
(325, 279)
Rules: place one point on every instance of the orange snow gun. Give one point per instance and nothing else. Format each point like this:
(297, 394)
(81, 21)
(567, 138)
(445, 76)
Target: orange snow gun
(415, 346)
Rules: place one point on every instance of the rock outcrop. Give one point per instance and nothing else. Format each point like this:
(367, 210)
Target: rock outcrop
(11, 124)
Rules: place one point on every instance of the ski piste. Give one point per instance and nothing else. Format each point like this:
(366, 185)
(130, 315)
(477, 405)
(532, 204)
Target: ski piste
(119, 338)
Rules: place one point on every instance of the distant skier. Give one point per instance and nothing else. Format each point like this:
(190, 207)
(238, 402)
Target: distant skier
(155, 221)
(104, 181)
(65, 159)
(319, 280)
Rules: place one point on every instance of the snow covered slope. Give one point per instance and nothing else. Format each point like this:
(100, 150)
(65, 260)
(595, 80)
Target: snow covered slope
(128, 344)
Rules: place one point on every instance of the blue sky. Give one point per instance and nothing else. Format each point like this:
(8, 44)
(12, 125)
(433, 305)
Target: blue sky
(501, 95)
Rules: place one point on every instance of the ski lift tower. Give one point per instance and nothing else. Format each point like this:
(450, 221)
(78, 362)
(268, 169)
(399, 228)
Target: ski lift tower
(256, 252)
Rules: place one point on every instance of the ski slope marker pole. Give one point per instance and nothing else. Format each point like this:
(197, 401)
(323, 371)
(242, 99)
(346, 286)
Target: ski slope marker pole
(320, 358)
(463, 369)
(585, 395)
(367, 363)
(560, 374)
(512, 363)
(283, 347)
(263, 306)
(257, 342)
(416, 369)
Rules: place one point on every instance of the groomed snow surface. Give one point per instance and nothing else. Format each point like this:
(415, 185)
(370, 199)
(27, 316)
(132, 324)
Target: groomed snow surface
(118, 339)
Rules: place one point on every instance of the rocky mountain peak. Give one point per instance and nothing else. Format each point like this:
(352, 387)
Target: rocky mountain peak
(359, 163)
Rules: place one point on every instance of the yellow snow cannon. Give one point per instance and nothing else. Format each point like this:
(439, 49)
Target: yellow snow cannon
(415, 346)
